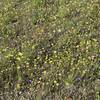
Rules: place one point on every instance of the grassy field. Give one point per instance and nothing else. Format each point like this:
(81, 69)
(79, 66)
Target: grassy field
(49, 49)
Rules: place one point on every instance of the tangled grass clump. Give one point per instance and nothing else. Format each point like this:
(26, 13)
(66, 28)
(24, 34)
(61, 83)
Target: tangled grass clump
(50, 50)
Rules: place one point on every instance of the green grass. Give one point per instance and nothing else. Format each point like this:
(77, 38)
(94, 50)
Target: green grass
(49, 49)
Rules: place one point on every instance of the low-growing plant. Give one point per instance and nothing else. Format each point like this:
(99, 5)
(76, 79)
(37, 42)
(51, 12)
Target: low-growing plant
(49, 50)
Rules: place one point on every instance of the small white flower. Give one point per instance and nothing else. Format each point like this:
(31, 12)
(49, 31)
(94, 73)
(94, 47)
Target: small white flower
(59, 30)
